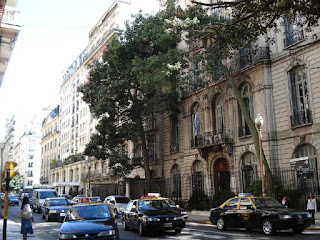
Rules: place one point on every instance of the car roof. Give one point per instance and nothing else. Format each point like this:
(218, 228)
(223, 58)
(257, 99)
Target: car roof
(150, 198)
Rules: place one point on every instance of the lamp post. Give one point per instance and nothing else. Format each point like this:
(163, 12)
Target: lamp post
(1, 159)
(259, 123)
(89, 170)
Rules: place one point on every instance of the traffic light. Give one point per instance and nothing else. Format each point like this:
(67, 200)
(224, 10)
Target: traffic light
(9, 167)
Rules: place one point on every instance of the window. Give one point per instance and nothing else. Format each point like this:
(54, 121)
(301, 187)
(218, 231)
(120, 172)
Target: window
(30, 157)
(174, 134)
(152, 149)
(176, 181)
(218, 115)
(196, 125)
(300, 100)
(30, 164)
(249, 170)
(233, 203)
(293, 31)
(247, 98)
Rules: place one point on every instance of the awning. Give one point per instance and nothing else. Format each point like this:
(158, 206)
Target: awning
(65, 184)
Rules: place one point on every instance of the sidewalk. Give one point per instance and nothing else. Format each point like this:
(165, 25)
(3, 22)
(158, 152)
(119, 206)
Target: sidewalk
(13, 231)
(203, 217)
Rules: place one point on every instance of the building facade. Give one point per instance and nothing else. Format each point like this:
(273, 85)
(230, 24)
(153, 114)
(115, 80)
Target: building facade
(49, 144)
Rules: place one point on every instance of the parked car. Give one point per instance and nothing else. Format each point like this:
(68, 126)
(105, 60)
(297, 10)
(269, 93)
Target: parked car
(89, 221)
(151, 214)
(54, 209)
(13, 200)
(117, 203)
(247, 211)
(39, 196)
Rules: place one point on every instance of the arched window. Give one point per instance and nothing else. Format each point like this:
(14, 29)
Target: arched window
(221, 175)
(307, 175)
(249, 170)
(218, 115)
(247, 98)
(300, 99)
(176, 182)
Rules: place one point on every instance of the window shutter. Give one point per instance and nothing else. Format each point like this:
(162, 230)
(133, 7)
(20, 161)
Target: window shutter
(292, 87)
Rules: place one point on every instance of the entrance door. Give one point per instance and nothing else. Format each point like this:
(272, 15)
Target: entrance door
(221, 175)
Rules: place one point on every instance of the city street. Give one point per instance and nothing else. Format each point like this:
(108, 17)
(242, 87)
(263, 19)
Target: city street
(196, 231)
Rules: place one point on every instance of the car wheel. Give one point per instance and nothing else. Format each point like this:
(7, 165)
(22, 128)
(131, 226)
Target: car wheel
(178, 230)
(141, 230)
(298, 230)
(221, 224)
(47, 218)
(268, 227)
(124, 225)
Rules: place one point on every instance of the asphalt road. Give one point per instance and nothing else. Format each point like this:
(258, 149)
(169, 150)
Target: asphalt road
(195, 231)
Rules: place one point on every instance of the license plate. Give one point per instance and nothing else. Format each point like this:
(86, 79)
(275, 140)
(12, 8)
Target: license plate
(168, 224)
(300, 221)
(62, 214)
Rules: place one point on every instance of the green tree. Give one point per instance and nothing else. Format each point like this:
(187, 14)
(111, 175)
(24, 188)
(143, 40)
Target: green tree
(15, 183)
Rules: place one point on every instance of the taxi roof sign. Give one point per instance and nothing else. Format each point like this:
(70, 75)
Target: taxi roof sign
(245, 195)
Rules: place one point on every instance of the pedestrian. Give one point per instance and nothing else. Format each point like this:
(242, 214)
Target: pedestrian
(312, 206)
(26, 218)
(285, 201)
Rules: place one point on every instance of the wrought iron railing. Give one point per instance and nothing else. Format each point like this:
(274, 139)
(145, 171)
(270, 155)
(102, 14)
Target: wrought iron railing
(212, 138)
(301, 118)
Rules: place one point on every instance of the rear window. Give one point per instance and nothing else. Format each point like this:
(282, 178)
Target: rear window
(122, 199)
(47, 194)
(58, 202)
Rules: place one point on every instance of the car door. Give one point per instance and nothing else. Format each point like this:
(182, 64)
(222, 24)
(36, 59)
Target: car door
(127, 214)
(134, 214)
(230, 213)
(245, 213)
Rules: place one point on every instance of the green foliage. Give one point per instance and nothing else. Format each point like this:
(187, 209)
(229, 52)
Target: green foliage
(15, 183)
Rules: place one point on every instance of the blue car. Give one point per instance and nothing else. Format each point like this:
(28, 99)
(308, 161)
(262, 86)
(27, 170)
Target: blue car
(89, 221)
(54, 209)
(13, 200)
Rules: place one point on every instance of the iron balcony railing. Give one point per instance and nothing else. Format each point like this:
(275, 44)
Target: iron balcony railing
(301, 118)
(212, 139)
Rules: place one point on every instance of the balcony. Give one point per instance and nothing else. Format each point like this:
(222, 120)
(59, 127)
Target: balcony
(11, 16)
(301, 118)
(292, 38)
(212, 139)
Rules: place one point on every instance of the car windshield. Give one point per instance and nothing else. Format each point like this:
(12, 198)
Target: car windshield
(153, 205)
(122, 199)
(266, 203)
(58, 202)
(92, 212)
(49, 194)
(170, 202)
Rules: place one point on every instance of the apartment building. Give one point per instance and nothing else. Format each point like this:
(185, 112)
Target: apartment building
(8, 152)
(49, 144)
(74, 173)
(10, 28)
(28, 154)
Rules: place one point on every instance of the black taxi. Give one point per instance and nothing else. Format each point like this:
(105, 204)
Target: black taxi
(247, 211)
(151, 214)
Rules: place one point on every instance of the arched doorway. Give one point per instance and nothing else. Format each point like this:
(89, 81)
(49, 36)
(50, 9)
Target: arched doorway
(307, 175)
(197, 184)
(221, 175)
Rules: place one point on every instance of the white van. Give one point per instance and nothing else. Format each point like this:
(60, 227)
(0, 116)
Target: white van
(39, 196)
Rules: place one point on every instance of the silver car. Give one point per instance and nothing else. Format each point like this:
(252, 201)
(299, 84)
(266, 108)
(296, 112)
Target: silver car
(117, 203)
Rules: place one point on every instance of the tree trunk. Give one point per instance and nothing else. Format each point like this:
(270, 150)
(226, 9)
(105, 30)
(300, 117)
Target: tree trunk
(252, 127)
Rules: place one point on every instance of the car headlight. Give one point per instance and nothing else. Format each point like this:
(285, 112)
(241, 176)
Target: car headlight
(53, 211)
(67, 236)
(107, 233)
(286, 216)
(153, 219)
(178, 218)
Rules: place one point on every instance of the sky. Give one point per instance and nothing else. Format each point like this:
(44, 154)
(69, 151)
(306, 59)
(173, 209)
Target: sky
(53, 33)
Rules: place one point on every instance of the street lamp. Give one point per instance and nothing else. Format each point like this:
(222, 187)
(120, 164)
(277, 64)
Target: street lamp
(1, 159)
(89, 168)
(259, 123)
